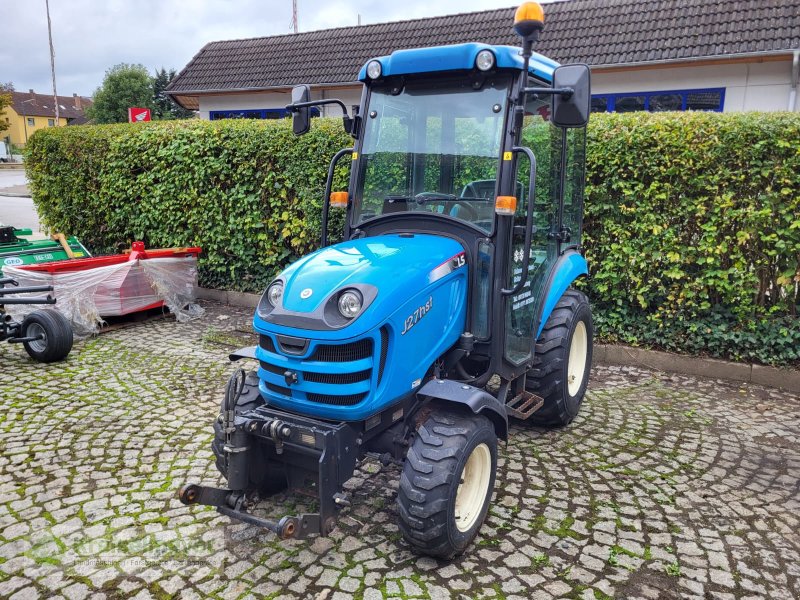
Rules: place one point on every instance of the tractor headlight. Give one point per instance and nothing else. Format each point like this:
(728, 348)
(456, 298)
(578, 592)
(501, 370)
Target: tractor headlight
(350, 303)
(485, 60)
(374, 69)
(275, 293)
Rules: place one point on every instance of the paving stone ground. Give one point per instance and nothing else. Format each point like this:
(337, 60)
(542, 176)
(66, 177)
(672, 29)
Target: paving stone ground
(665, 486)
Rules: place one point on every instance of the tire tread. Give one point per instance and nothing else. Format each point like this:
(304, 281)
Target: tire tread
(59, 335)
(545, 378)
(423, 498)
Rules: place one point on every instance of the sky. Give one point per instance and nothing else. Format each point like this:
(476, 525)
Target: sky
(90, 36)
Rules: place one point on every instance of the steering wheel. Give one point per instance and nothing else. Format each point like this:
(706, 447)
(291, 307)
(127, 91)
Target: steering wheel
(424, 197)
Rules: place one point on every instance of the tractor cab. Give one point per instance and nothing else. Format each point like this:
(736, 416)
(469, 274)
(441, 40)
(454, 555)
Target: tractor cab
(461, 240)
(484, 145)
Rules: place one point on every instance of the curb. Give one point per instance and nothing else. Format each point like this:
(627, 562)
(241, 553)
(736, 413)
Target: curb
(14, 194)
(627, 356)
(226, 297)
(713, 368)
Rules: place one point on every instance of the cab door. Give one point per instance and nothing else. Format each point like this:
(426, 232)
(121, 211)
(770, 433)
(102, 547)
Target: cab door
(521, 308)
(558, 210)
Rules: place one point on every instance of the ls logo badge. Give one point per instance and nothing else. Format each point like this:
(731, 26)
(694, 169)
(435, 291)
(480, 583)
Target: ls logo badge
(306, 293)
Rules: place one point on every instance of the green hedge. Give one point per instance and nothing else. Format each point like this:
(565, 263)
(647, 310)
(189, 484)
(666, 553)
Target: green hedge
(692, 219)
(693, 232)
(248, 192)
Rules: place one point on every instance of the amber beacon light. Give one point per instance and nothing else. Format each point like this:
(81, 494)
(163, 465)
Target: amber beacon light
(529, 20)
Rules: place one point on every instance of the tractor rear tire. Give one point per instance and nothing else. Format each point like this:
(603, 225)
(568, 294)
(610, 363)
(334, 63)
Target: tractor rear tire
(56, 335)
(266, 480)
(447, 482)
(562, 361)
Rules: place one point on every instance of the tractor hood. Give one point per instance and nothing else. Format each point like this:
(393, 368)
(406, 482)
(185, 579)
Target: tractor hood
(386, 271)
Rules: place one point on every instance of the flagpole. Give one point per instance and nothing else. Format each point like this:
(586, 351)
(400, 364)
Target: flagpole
(52, 57)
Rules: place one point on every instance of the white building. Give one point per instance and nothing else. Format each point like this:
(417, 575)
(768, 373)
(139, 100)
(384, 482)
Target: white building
(720, 55)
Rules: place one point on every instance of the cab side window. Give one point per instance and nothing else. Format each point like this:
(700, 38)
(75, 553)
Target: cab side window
(574, 183)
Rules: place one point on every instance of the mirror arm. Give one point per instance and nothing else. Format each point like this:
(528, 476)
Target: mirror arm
(565, 93)
(346, 119)
(296, 105)
(523, 278)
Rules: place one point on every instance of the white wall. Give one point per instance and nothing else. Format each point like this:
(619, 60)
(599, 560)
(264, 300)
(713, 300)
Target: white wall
(349, 96)
(748, 86)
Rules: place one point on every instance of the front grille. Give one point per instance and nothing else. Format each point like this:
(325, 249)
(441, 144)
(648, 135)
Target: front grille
(335, 391)
(384, 351)
(336, 378)
(336, 400)
(273, 368)
(292, 345)
(343, 352)
(278, 389)
(266, 343)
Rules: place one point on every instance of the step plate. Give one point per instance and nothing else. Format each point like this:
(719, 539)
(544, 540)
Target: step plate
(524, 405)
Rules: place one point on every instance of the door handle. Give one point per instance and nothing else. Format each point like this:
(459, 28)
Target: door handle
(528, 221)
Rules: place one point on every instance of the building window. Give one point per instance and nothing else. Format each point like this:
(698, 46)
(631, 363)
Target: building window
(51, 122)
(630, 103)
(31, 122)
(261, 113)
(712, 99)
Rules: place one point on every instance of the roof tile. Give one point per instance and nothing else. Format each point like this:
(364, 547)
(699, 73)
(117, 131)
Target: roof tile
(41, 105)
(597, 32)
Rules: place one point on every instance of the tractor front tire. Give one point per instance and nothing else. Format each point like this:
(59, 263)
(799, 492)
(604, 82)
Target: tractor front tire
(55, 335)
(562, 361)
(447, 482)
(265, 477)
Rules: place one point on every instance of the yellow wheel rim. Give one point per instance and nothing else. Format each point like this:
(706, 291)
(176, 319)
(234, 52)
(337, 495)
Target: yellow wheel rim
(576, 365)
(471, 493)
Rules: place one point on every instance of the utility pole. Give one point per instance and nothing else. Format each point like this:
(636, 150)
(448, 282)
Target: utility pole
(52, 57)
(294, 16)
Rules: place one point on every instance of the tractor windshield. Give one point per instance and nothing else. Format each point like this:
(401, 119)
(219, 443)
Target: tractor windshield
(433, 145)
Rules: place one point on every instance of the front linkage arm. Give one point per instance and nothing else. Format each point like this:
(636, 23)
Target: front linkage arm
(232, 504)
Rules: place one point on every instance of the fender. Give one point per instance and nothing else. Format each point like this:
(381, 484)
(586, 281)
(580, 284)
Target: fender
(479, 401)
(567, 269)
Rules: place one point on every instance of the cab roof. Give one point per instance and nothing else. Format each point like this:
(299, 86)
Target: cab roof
(455, 58)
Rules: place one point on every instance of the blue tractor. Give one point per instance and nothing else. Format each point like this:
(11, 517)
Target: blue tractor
(448, 308)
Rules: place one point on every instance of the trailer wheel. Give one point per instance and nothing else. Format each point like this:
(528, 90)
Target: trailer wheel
(447, 482)
(265, 477)
(562, 361)
(54, 332)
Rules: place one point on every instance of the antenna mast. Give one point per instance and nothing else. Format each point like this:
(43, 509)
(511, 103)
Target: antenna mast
(294, 16)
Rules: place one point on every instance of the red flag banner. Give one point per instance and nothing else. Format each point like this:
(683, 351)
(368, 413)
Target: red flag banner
(138, 115)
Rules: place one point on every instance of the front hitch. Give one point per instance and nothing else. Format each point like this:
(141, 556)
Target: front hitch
(318, 457)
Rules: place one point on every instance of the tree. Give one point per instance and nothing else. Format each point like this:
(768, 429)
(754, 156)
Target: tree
(124, 86)
(165, 106)
(5, 100)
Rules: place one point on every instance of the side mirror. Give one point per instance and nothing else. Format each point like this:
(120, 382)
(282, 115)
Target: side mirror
(572, 111)
(301, 116)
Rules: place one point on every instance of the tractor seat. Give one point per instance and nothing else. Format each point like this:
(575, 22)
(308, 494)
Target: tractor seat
(394, 206)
